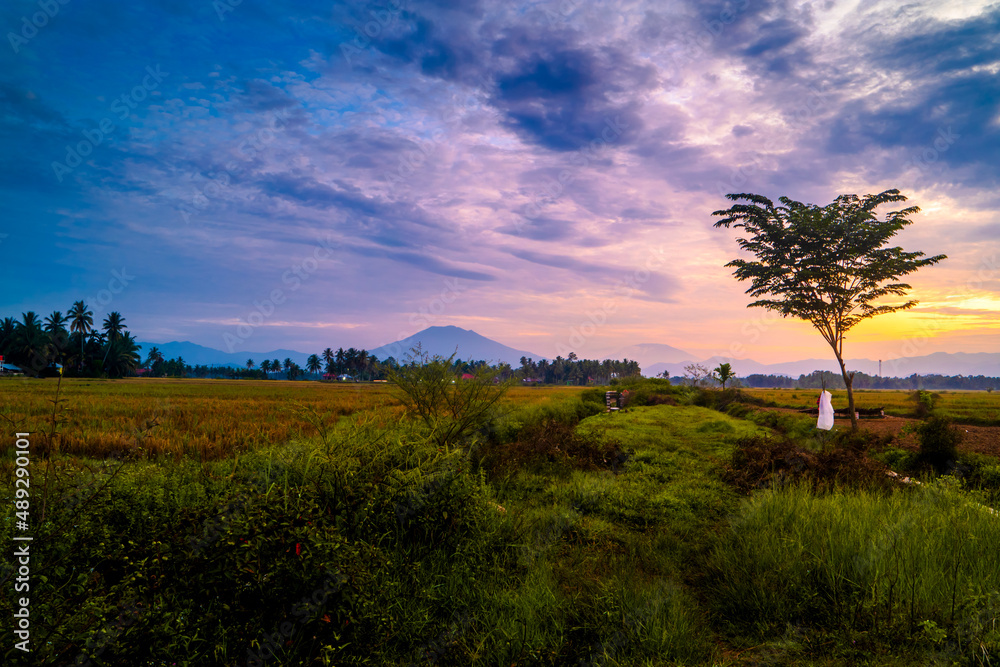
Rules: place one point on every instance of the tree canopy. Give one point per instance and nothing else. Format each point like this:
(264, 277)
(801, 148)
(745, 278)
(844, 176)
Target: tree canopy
(827, 265)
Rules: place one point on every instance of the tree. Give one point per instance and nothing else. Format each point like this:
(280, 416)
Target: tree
(81, 322)
(55, 327)
(696, 372)
(452, 410)
(724, 373)
(154, 360)
(250, 364)
(122, 357)
(266, 367)
(313, 364)
(113, 325)
(275, 366)
(825, 265)
(328, 359)
(8, 331)
(30, 343)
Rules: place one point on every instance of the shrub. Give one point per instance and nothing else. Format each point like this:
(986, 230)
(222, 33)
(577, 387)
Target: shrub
(761, 462)
(554, 442)
(924, 403)
(451, 409)
(938, 441)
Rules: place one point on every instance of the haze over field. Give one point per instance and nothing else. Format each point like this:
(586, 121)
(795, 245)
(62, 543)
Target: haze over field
(305, 175)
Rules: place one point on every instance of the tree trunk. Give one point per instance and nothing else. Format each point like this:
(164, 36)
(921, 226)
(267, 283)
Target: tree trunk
(849, 382)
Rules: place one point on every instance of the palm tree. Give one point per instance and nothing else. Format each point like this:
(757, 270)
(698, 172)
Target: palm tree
(340, 360)
(29, 342)
(313, 364)
(122, 357)
(153, 358)
(113, 325)
(55, 327)
(266, 367)
(8, 329)
(250, 364)
(81, 322)
(275, 366)
(328, 358)
(55, 323)
(361, 361)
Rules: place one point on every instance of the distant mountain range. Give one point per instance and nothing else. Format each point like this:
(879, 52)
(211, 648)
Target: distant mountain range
(653, 358)
(199, 355)
(938, 363)
(445, 341)
(649, 354)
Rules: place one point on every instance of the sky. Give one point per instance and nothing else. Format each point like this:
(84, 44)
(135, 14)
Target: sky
(256, 175)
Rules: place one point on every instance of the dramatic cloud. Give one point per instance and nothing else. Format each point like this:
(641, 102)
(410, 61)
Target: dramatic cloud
(543, 161)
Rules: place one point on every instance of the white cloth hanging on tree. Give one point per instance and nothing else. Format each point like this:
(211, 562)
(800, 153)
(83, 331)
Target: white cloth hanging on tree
(825, 421)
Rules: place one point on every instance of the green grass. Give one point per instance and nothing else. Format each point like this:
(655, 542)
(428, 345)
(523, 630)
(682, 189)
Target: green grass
(654, 561)
(614, 554)
(862, 570)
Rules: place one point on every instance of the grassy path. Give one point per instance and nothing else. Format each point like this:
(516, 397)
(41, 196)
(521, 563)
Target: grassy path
(611, 555)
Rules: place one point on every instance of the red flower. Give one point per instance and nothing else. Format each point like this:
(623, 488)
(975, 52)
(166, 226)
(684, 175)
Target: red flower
(298, 548)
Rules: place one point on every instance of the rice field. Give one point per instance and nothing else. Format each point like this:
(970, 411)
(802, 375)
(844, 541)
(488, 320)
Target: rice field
(206, 419)
(969, 407)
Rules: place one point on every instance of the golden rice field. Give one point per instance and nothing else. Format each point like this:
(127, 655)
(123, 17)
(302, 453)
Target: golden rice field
(968, 406)
(209, 419)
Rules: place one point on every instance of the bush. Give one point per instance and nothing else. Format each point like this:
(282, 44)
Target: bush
(554, 442)
(647, 391)
(761, 462)
(924, 402)
(451, 409)
(938, 441)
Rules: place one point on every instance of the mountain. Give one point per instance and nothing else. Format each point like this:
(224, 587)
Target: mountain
(648, 354)
(195, 355)
(938, 363)
(443, 341)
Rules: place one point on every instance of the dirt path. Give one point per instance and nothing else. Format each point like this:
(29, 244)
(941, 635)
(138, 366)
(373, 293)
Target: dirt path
(981, 439)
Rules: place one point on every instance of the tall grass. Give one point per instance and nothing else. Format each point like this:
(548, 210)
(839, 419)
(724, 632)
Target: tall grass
(920, 564)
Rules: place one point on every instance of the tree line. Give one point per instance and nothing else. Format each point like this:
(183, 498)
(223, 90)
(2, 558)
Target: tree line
(40, 346)
(816, 379)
